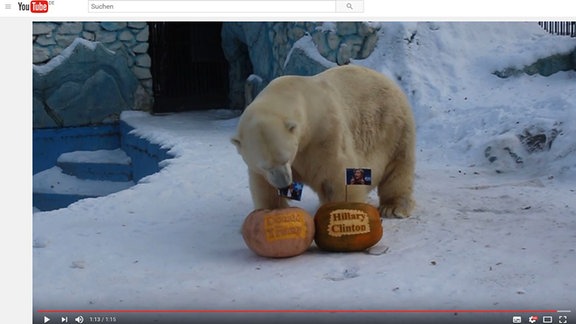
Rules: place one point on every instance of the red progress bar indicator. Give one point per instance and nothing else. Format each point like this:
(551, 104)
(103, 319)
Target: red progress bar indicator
(302, 311)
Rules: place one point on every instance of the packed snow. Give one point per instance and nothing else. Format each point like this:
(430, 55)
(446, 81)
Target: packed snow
(116, 156)
(56, 181)
(484, 235)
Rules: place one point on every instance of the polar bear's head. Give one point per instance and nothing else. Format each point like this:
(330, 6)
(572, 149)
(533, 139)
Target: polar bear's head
(268, 147)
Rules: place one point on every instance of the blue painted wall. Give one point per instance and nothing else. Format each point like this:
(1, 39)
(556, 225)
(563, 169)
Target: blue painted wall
(49, 143)
(145, 156)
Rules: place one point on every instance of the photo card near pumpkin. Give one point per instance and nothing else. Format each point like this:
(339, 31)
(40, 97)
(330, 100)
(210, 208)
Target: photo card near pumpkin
(294, 191)
(358, 176)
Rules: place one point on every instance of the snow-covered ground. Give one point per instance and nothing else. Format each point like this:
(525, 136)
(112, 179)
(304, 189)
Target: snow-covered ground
(484, 235)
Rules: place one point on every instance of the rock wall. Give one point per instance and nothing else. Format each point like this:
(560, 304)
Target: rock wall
(257, 52)
(545, 66)
(266, 50)
(105, 73)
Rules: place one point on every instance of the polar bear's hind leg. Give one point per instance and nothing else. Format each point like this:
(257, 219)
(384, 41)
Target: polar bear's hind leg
(395, 191)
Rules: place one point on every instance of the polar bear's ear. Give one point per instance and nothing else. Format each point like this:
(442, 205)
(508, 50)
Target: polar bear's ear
(290, 126)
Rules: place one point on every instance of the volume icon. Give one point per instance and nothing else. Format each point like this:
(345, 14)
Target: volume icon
(79, 319)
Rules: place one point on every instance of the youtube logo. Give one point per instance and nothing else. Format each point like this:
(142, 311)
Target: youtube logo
(39, 6)
(36, 6)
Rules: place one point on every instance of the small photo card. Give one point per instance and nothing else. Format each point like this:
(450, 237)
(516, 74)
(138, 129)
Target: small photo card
(358, 176)
(294, 191)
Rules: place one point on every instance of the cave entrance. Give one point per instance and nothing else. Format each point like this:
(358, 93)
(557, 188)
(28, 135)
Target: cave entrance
(189, 70)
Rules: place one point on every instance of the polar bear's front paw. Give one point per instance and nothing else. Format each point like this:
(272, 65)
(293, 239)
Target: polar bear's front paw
(396, 208)
(392, 212)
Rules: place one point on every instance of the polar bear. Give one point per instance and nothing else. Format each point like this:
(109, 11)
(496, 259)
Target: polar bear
(311, 128)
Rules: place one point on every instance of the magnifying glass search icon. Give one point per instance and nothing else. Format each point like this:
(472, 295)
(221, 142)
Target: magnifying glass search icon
(347, 6)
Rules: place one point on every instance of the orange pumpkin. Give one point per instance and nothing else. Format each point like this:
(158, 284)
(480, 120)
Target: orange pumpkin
(347, 226)
(278, 233)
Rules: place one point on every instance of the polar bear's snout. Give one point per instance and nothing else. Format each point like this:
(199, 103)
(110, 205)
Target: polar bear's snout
(280, 176)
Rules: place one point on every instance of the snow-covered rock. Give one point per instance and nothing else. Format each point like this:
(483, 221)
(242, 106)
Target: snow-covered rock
(86, 84)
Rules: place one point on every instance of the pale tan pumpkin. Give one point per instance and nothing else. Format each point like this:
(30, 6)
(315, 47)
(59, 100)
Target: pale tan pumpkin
(278, 233)
(347, 226)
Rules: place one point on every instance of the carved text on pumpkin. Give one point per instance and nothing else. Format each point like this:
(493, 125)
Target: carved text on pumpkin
(283, 227)
(348, 222)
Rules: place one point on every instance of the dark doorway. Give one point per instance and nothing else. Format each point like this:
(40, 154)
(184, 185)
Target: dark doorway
(189, 70)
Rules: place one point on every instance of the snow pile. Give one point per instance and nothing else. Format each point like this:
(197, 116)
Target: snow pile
(462, 108)
(44, 182)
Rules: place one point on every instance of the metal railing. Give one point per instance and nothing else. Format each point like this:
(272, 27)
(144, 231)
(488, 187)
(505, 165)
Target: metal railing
(566, 28)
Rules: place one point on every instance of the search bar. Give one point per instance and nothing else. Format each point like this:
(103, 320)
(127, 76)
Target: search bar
(225, 6)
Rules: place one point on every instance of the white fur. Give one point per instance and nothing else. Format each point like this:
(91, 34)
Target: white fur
(311, 129)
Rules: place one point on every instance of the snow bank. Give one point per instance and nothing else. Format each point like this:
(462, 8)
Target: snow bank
(461, 106)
